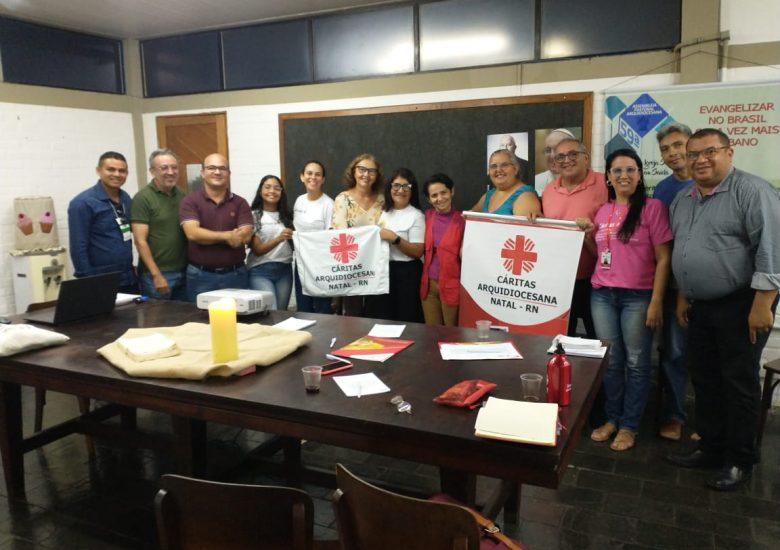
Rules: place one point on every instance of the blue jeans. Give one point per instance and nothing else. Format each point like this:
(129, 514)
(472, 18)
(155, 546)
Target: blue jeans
(310, 304)
(274, 277)
(199, 280)
(619, 316)
(176, 282)
(673, 362)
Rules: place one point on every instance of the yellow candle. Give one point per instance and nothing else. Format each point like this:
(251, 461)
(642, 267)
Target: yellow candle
(224, 332)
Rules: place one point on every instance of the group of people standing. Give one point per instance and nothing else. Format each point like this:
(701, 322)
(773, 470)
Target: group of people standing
(714, 292)
(716, 226)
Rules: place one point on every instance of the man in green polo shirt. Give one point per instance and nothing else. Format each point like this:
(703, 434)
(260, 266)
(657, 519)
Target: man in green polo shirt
(161, 244)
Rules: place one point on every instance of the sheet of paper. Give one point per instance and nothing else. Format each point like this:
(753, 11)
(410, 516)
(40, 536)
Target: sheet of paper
(575, 342)
(471, 351)
(358, 385)
(122, 298)
(387, 331)
(293, 323)
(597, 353)
(579, 347)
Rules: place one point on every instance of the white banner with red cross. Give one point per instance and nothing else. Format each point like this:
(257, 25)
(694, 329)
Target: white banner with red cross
(342, 262)
(518, 274)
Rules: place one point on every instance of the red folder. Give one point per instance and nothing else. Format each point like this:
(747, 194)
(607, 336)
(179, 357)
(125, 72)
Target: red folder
(373, 345)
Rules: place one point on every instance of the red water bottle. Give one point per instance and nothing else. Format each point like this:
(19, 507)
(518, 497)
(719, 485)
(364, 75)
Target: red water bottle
(559, 378)
(564, 378)
(553, 375)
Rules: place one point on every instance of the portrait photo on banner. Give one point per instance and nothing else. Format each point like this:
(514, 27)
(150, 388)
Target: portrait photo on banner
(545, 140)
(514, 142)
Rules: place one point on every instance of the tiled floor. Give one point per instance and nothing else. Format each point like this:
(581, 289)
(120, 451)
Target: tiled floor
(611, 500)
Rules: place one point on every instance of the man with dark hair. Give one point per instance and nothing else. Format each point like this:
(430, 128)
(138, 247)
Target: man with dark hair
(162, 247)
(672, 139)
(218, 224)
(99, 225)
(725, 260)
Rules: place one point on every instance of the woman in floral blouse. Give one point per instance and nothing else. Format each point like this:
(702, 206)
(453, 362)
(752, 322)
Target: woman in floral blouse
(361, 204)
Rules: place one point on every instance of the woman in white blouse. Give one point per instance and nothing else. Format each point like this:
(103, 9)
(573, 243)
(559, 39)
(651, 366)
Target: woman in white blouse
(312, 211)
(403, 226)
(270, 260)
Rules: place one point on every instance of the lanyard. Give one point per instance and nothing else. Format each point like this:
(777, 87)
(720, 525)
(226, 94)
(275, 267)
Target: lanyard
(121, 221)
(609, 226)
(116, 212)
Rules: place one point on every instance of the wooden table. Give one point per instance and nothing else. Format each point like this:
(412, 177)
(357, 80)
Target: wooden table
(273, 400)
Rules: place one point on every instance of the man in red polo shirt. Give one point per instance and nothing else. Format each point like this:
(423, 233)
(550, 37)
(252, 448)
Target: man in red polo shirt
(218, 224)
(578, 192)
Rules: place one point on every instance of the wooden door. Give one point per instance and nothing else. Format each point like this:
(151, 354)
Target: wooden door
(192, 138)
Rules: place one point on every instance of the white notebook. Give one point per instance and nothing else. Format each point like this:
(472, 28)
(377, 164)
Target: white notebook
(293, 323)
(520, 421)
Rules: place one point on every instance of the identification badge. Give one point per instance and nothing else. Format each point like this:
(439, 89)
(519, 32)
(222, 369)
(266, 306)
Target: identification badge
(606, 259)
(124, 227)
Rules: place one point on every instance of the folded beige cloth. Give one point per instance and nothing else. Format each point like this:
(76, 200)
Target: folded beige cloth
(257, 345)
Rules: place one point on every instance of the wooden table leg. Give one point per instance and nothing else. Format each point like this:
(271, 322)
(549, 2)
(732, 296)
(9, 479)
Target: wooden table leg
(291, 447)
(190, 446)
(11, 439)
(84, 408)
(128, 418)
(459, 485)
(512, 504)
(506, 496)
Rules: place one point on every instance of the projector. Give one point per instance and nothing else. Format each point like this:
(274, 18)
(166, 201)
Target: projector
(248, 302)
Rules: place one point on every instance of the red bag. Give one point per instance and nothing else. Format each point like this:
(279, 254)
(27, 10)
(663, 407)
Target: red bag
(465, 394)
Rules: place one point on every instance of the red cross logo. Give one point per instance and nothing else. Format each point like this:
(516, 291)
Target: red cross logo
(518, 255)
(344, 248)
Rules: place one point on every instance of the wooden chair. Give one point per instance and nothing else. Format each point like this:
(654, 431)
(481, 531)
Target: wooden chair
(195, 513)
(370, 517)
(40, 393)
(771, 370)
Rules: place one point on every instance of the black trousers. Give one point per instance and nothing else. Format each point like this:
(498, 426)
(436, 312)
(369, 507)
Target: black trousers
(580, 308)
(403, 302)
(724, 370)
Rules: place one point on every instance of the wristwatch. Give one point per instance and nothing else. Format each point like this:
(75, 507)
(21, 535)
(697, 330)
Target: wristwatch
(397, 240)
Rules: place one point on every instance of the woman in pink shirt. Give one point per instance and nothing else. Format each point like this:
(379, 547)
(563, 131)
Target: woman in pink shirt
(632, 237)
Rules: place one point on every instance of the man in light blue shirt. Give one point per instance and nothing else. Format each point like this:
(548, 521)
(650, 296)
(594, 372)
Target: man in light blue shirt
(99, 225)
(726, 261)
(672, 139)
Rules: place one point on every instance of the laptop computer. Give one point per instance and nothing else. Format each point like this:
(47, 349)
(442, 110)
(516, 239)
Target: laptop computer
(80, 299)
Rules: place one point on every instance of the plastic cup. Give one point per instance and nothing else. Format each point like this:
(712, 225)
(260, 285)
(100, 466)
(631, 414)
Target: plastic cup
(311, 378)
(483, 330)
(532, 384)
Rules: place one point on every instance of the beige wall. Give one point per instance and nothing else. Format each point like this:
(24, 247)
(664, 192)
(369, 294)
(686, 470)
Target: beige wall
(699, 63)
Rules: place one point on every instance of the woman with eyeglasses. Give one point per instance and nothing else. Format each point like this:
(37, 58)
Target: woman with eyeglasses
(509, 195)
(312, 211)
(361, 204)
(270, 259)
(632, 236)
(444, 226)
(403, 226)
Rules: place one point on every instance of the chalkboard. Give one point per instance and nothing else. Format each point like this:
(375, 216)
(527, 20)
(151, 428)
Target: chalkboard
(428, 138)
